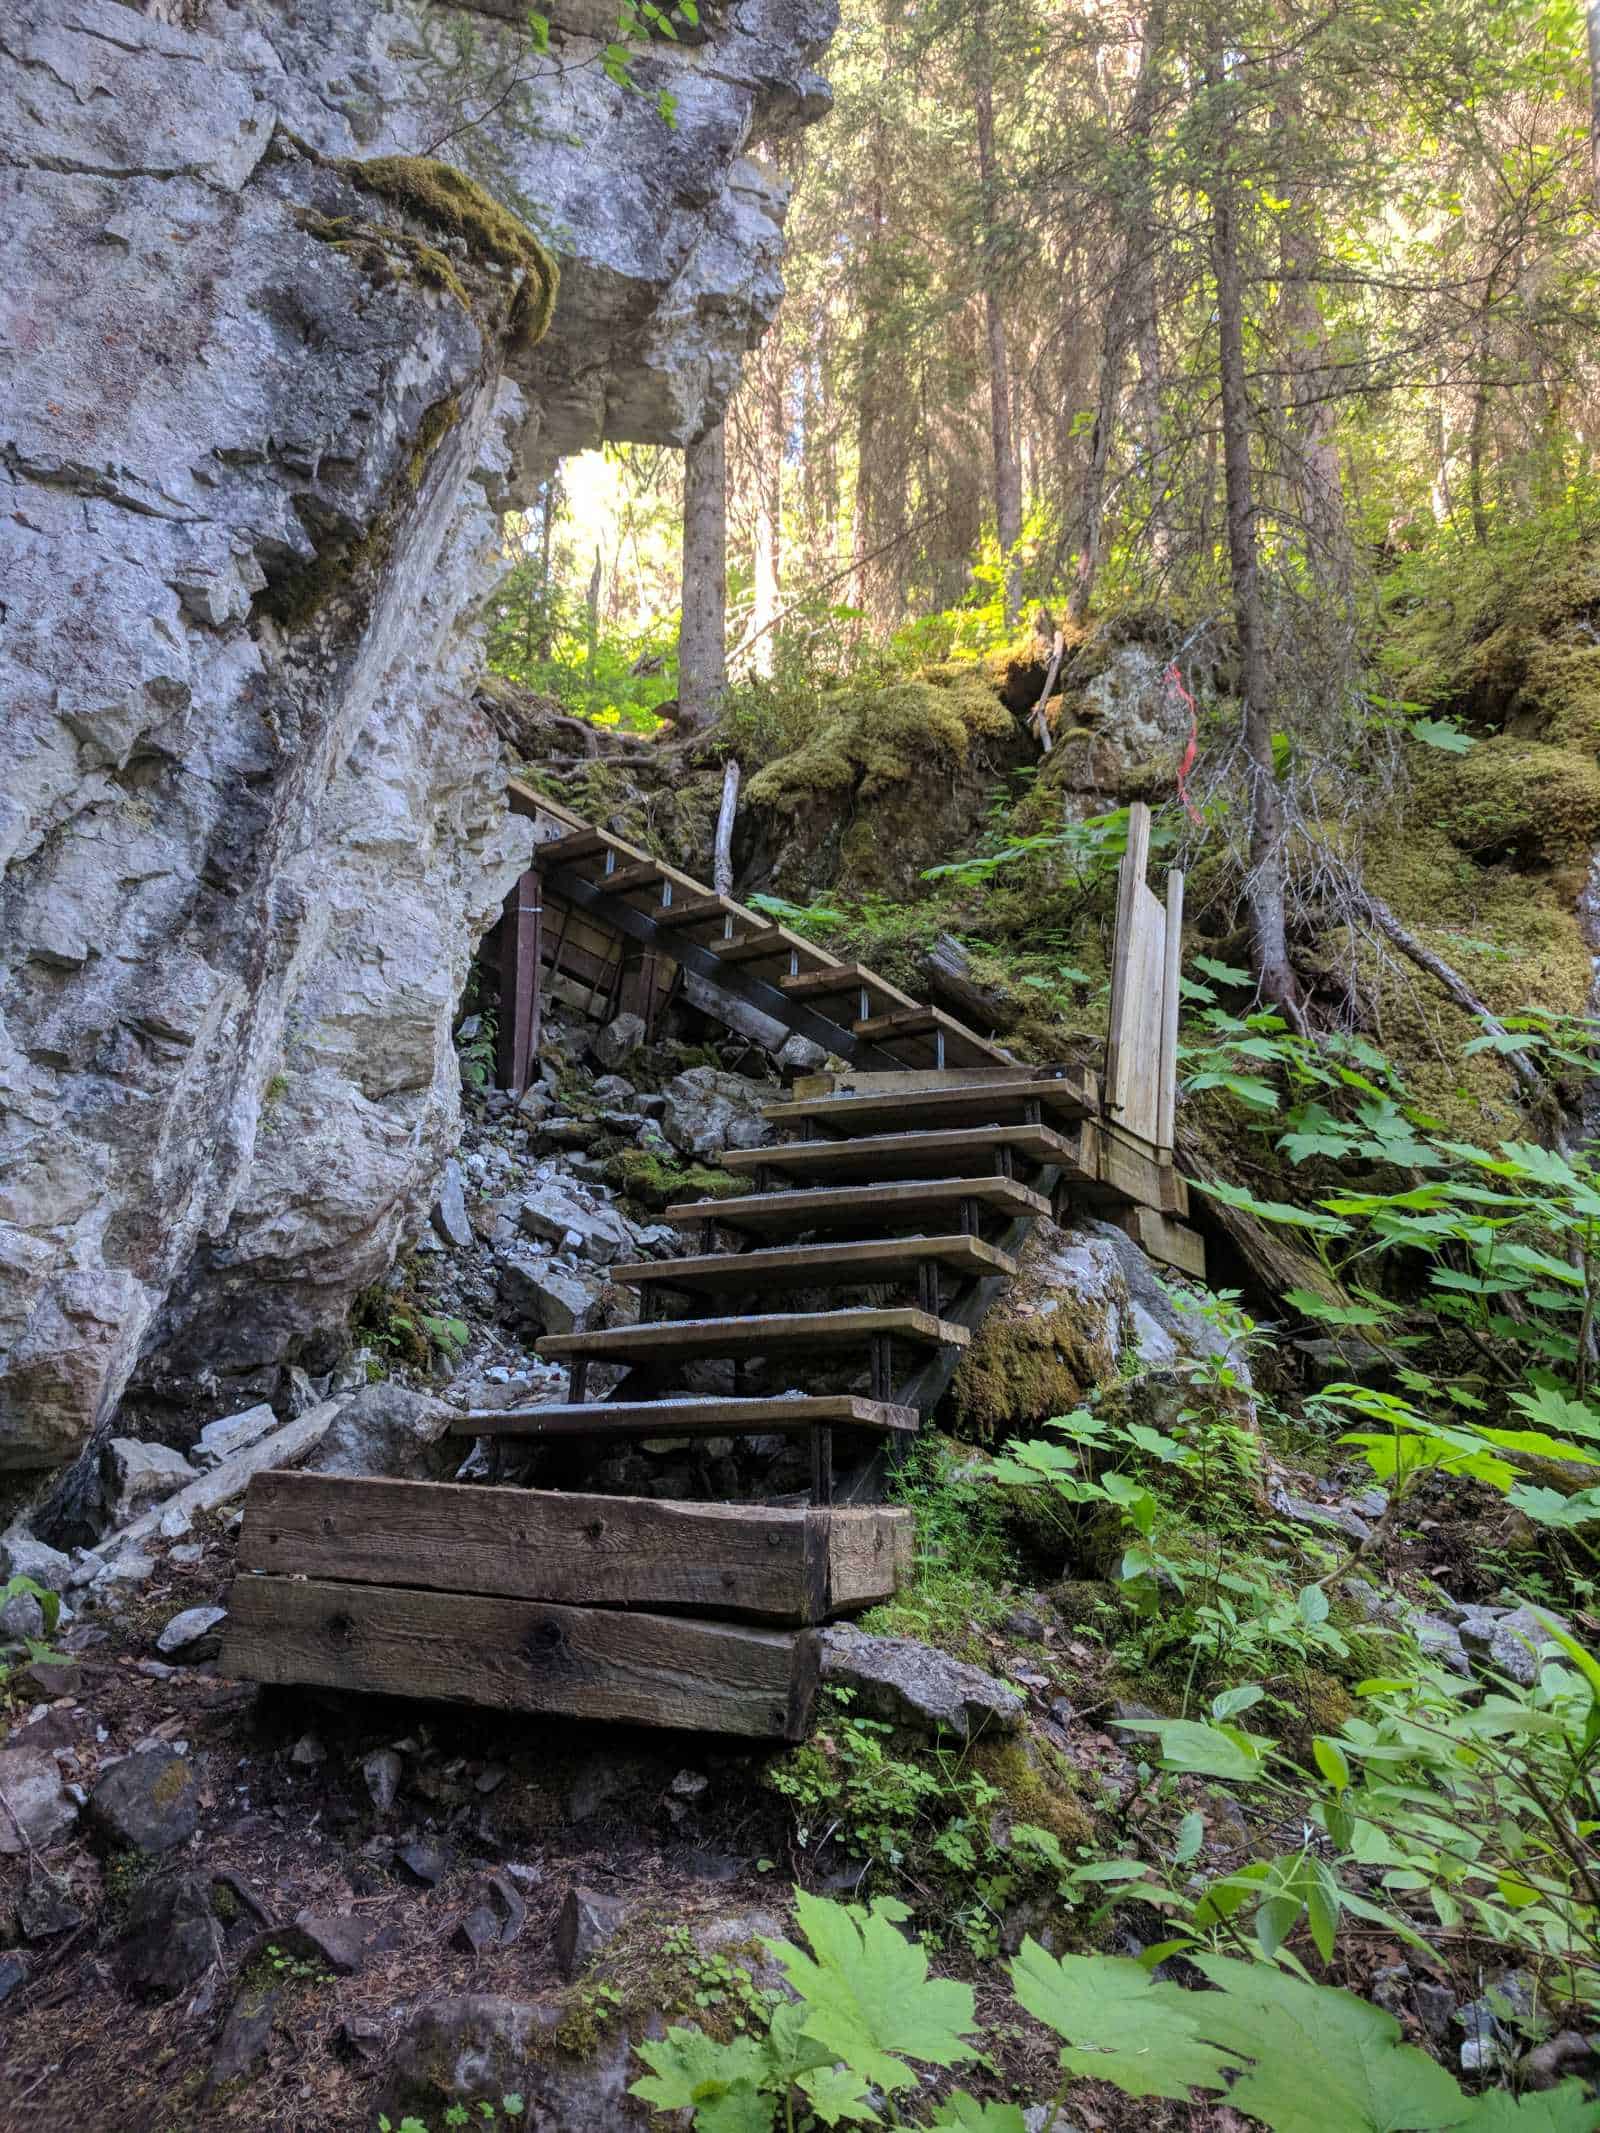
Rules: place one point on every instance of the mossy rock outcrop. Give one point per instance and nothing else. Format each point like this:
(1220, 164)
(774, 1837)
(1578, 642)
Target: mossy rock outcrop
(893, 778)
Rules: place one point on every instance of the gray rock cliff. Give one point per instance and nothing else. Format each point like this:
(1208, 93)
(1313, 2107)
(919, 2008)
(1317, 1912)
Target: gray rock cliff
(265, 399)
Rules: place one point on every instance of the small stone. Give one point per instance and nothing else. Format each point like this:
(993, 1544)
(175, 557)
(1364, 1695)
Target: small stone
(219, 1440)
(22, 1556)
(22, 1619)
(382, 1771)
(34, 1808)
(911, 1683)
(588, 1921)
(192, 1633)
(614, 1092)
(1023, 1623)
(307, 1752)
(339, 1939)
(13, 1973)
(690, 1785)
(52, 1678)
(425, 1863)
(187, 1553)
(801, 1055)
(360, 2038)
(245, 2037)
(1503, 1641)
(477, 1931)
(490, 1778)
(136, 1475)
(1436, 2006)
(621, 1037)
(46, 1907)
(450, 1217)
(146, 1802)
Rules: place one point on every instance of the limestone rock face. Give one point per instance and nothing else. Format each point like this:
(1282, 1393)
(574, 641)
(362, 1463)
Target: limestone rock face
(260, 426)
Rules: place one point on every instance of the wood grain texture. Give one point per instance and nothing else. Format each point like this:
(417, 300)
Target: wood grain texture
(1164, 1239)
(868, 1206)
(772, 1333)
(945, 1152)
(675, 1417)
(743, 1560)
(521, 1655)
(805, 1266)
(944, 1100)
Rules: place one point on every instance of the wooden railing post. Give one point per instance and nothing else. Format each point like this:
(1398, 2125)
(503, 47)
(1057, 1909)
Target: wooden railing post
(517, 1034)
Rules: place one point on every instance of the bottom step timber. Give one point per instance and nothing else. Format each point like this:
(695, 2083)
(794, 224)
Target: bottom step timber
(765, 1563)
(524, 1655)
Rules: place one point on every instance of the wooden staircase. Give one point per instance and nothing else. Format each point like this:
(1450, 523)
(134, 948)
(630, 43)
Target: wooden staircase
(872, 1243)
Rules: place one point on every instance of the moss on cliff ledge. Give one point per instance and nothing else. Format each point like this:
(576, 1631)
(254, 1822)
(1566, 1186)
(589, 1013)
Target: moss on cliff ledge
(450, 201)
(870, 738)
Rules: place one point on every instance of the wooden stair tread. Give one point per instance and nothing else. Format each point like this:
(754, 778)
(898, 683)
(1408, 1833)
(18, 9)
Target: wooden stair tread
(765, 1562)
(868, 1206)
(802, 1266)
(641, 874)
(1069, 1096)
(841, 980)
(766, 1333)
(946, 1152)
(687, 1417)
(770, 941)
(697, 911)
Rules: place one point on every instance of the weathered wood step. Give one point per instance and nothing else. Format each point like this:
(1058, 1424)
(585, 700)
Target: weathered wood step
(818, 1266)
(697, 911)
(846, 980)
(864, 1207)
(947, 1152)
(572, 849)
(686, 1416)
(769, 1333)
(1069, 1096)
(768, 945)
(750, 1560)
(639, 874)
(523, 1655)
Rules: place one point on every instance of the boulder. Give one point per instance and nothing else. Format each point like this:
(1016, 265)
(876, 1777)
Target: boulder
(616, 1092)
(219, 1440)
(588, 1920)
(22, 1619)
(478, 2047)
(146, 1802)
(192, 1634)
(46, 1907)
(1503, 1640)
(801, 1055)
(706, 1110)
(34, 1807)
(619, 1040)
(246, 2035)
(557, 1215)
(134, 1475)
(24, 1556)
(285, 1446)
(341, 1941)
(449, 1215)
(388, 1429)
(555, 1299)
(177, 1928)
(912, 1684)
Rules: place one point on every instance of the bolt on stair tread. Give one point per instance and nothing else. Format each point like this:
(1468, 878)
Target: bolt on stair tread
(818, 1265)
(768, 1333)
(687, 1416)
(829, 1206)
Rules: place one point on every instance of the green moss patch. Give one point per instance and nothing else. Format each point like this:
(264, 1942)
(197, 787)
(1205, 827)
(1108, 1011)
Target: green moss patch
(870, 738)
(446, 198)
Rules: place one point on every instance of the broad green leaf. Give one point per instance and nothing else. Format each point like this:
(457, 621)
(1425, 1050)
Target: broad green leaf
(1442, 733)
(962, 2113)
(1208, 1751)
(1324, 2061)
(1331, 1761)
(838, 2095)
(1118, 2025)
(691, 2071)
(867, 1997)
(1562, 2110)
(1275, 1211)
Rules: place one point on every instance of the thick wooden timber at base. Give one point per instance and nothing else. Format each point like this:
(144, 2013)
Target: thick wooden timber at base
(523, 1655)
(952, 1152)
(749, 1560)
(817, 1266)
(877, 1206)
(941, 1102)
(1164, 1239)
(772, 1333)
(686, 1416)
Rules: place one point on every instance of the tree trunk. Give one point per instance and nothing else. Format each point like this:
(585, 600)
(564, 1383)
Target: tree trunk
(1594, 102)
(769, 502)
(1265, 882)
(1130, 313)
(702, 638)
(1002, 432)
(552, 497)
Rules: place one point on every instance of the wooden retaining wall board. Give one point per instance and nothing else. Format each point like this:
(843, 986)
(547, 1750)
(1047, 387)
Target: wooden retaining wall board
(522, 1655)
(742, 1560)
